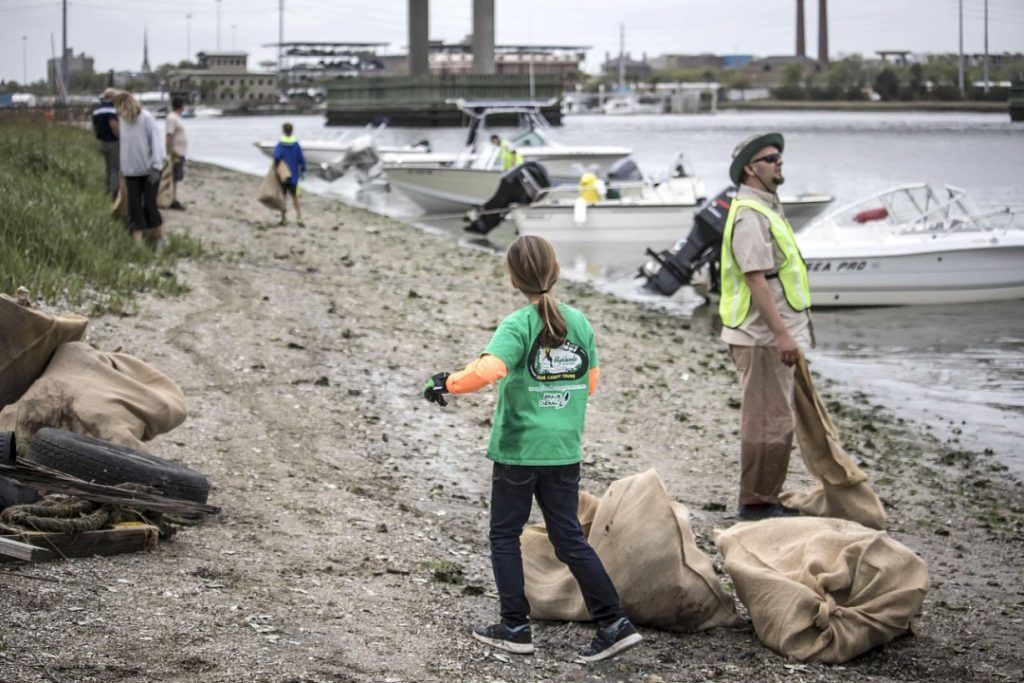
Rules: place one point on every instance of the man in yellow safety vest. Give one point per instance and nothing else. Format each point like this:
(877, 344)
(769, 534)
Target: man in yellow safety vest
(765, 310)
(507, 154)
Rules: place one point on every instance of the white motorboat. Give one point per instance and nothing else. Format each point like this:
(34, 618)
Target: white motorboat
(631, 103)
(913, 245)
(654, 213)
(332, 151)
(470, 178)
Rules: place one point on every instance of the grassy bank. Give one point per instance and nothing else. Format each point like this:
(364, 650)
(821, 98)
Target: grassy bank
(57, 235)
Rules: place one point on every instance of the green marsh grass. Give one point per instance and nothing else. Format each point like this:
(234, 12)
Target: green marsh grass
(57, 235)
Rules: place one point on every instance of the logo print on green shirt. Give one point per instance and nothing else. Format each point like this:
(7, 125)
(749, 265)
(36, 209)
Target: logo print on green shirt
(556, 400)
(565, 362)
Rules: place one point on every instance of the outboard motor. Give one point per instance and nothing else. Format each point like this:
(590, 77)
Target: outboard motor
(519, 185)
(673, 268)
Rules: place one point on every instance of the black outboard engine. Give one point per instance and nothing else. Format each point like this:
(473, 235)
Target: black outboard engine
(673, 268)
(519, 185)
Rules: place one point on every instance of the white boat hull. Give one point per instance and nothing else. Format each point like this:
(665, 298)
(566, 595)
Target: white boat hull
(655, 223)
(952, 271)
(443, 190)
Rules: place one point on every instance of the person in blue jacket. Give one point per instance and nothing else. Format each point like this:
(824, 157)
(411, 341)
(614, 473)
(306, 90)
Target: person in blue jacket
(289, 152)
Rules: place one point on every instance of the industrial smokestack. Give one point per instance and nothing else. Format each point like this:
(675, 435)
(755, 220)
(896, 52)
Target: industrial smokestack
(801, 49)
(823, 31)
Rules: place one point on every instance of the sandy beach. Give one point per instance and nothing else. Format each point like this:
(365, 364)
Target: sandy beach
(352, 545)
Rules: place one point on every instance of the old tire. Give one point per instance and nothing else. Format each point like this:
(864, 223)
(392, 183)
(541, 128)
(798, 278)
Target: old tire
(103, 462)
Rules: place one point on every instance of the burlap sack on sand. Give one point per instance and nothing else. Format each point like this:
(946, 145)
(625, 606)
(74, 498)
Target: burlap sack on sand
(111, 396)
(28, 339)
(644, 540)
(823, 590)
(270, 194)
(119, 209)
(165, 190)
(843, 489)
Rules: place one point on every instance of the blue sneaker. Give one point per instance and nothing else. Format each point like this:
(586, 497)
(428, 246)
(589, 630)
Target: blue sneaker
(611, 640)
(517, 640)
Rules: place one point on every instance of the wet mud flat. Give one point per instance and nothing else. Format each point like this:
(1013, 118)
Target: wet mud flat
(352, 545)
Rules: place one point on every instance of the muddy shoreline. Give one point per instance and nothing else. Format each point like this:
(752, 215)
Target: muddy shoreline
(352, 544)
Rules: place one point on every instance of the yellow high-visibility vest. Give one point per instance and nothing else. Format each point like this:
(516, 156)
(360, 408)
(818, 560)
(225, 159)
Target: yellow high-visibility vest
(735, 303)
(510, 158)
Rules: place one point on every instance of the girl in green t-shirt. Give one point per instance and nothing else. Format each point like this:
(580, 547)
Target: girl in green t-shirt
(546, 360)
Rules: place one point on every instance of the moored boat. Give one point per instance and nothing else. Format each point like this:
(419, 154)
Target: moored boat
(914, 245)
(469, 178)
(655, 213)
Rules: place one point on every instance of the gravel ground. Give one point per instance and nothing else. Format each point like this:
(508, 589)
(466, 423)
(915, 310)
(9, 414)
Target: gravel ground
(352, 545)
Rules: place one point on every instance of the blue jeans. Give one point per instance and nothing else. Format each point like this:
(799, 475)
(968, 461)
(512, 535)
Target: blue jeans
(513, 488)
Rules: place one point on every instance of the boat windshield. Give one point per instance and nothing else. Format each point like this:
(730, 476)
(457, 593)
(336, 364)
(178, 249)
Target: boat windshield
(529, 138)
(919, 208)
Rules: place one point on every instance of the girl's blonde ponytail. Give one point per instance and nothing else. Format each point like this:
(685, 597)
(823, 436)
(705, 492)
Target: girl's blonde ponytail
(533, 267)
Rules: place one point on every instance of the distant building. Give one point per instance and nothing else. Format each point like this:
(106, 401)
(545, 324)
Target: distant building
(223, 79)
(510, 60)
(672, 62)
(80, 66)
(736, 61)
(635, 70)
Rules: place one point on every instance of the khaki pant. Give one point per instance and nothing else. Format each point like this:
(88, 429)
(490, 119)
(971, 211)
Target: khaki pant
(766, 422)
(111, 152)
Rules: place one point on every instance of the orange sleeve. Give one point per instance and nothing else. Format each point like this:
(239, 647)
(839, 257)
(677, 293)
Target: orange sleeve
(485, 370)
(592, 378)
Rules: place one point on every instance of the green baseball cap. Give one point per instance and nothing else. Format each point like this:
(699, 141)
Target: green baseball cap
(746, 150)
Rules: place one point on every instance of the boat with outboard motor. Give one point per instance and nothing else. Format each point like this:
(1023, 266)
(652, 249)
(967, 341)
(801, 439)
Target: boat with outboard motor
(471, 177)
(905, 246)
(630, 208)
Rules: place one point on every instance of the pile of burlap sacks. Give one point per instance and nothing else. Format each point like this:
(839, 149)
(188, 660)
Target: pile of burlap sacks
(49, 378)
(825, 587)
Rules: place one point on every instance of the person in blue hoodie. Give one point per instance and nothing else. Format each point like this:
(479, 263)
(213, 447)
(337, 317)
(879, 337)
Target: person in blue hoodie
(289, 152)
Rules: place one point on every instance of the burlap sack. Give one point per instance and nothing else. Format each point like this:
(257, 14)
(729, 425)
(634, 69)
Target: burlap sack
(843, 489)
(270, 194)
(165, 191)
(119, 209)
(645, 542)
(28, 339)
(111, 396)
(823, 590)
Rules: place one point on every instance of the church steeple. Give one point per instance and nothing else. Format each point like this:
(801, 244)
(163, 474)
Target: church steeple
(145, 52)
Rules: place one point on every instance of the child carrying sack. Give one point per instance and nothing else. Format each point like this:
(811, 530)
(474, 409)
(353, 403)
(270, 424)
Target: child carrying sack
(271, 194)
(111, 396)
(644, 541)
(823, 590)
(843, 490)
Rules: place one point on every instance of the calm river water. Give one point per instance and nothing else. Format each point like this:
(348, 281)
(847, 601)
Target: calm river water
(958, 370)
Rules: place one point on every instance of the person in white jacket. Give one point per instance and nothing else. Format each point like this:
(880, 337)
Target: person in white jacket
(142, 158)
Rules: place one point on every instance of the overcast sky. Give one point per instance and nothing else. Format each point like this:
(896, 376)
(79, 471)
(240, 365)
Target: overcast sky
(111, 31)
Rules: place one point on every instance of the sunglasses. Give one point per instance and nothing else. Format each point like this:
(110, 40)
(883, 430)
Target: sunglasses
(770, 158)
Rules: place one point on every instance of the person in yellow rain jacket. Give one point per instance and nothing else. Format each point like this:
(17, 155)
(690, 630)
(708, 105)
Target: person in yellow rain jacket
(507, 154)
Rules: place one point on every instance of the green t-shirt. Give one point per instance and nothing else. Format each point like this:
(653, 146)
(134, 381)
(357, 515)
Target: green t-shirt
(543, 398)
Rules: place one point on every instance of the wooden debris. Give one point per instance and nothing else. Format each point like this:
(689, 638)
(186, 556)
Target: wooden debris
(36, 546)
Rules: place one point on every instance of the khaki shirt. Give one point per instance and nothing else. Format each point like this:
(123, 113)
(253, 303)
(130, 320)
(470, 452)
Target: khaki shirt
(175, 129)
(755, 250)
